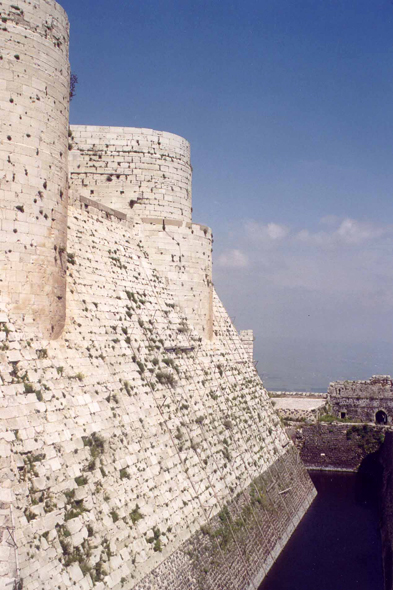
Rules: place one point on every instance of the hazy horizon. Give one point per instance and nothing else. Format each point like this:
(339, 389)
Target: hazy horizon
(283, 367)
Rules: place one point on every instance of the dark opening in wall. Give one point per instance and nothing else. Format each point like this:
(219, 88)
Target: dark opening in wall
(343, 415)
(381, 417)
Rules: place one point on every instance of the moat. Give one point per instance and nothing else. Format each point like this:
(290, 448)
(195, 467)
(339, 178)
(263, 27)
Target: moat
(337, 546)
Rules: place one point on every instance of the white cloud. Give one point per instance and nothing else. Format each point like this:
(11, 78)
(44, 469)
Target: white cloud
(352, 231)
(233, 259)
(265, 232)
(277, 232)
(346, 231)
(348, 260)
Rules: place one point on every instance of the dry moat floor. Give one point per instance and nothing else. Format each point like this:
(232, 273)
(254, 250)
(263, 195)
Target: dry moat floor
(337, 546)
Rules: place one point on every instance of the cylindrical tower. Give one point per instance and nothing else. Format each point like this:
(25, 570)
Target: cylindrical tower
(34, 109)
(141, 172)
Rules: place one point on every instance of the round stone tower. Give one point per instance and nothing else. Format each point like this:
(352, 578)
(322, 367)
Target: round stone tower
(141, 172)
(34, 95)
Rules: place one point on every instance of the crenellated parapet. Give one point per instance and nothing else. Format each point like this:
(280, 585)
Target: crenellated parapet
(34, 103)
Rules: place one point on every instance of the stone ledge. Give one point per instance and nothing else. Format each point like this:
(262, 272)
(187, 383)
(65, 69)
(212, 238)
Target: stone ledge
(177, 223)
(101, 207)
(299, 394)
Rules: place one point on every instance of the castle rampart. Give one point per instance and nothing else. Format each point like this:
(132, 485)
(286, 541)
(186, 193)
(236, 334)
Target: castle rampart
(182, 252)
(138, 447)
(142, 172)
(34, 101)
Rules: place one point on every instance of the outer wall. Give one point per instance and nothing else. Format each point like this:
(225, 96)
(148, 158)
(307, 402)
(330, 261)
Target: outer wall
(34, 102)
(183, 254)
(361, 400)
(141, 172)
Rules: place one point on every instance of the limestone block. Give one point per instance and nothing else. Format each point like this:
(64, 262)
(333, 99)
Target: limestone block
(78, 538)
(104, 161)
(5, 449)
(75, 572)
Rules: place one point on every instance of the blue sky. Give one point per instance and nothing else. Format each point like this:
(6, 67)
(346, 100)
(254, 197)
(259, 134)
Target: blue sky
(288, 108)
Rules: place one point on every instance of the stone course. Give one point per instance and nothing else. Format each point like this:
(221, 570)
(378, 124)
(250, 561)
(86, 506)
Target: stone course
(138, 446)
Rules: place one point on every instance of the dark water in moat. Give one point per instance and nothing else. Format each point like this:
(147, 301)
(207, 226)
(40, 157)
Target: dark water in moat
(337, 545)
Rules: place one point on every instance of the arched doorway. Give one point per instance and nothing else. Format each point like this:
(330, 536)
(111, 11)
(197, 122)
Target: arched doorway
(381, 417)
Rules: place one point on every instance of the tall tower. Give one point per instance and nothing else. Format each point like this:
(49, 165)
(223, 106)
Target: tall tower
(140, 172)
(34, 101)
(147, 174)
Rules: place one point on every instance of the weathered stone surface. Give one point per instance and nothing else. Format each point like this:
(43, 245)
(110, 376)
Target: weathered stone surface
(367, 401)
(129, 428)
(299, 408)
(341, 447)
(139, 172)
(34, 101)
(183, 423)
(247, 338)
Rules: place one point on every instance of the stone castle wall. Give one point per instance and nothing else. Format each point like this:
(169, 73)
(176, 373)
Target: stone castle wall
(141, 172)
(247, 337)
(138, 447)
(34, 99)
(336, 447)
(182, 252)
(362, 400)
(124, 437)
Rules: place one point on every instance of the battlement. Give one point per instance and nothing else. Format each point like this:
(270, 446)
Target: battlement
(376, 386)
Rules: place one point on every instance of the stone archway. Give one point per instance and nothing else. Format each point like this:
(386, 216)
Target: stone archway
(381, 417)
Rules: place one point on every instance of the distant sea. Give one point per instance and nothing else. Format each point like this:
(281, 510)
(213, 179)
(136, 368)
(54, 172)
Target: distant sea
(286, 364)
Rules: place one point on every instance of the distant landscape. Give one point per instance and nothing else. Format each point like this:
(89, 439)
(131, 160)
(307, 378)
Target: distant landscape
(289, 365)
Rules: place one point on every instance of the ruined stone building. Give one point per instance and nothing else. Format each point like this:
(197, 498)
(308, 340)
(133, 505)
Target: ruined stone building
(368, 401)
(138, 446)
